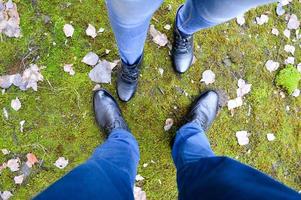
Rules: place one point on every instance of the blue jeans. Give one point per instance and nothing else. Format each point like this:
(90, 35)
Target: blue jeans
(110, 173)
(130, 19)
(190, 145)
(113, 166)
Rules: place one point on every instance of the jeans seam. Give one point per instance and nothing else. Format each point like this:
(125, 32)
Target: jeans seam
(187, 20)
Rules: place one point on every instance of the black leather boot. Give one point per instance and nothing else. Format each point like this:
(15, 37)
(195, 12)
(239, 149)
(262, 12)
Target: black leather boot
(205, 109)
(128, 80)
(182, 51)
(107, 112)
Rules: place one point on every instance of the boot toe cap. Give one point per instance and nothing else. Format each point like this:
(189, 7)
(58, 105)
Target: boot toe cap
(125, 91)
(182, 62)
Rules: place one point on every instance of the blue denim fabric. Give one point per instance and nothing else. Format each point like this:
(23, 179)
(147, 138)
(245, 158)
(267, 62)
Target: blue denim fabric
(130, 19)
(108, 174)
(191, 144)
(195, 15)
(121, 150)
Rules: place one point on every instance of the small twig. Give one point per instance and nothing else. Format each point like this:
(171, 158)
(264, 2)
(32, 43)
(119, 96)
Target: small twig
(49, 84)
(155, 20)
(78, 98)
(27, 55)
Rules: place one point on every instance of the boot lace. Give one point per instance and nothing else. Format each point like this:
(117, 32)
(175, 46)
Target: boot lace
(130, 74)
(183, 44)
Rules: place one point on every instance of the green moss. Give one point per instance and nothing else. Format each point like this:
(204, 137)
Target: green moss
(288, 78)
(59, 117)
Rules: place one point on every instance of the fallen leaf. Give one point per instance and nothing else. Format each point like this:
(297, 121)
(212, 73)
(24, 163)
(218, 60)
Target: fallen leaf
(6, 81)
(275, 31)
(9, 4)
(13, 164)
(234, 103)
(19, 179)
(30, 78)
(161, 71)
(68, 30)
(101, 73)
(31, 159)
(299, 67)
(271, 65)
(240, 20)
(296, 93)
(169, 7)
(139, 194)
(242, 137)
(6, 195)
(282, 95)
(168, 124)
(5, 113)
(289, 49)
(271, 137)
(289, 60)
(91, 31)
(287, 108)
(61, 163)
(139, 177)
(69, 69)
(90, 59)
(101, 30)
(279, 9)
(293, 22)
(17, 80)
(107, 51)
(194, 59)
(287, 33)
(208, 77)
(243, 88)
(22, 126)
(9, 19)
(158, 37)
(96, 87)
(5, 151)
(167, 27)
(16, 104)
(263, 19)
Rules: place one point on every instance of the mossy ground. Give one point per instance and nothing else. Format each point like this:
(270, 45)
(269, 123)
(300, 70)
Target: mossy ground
(59, 118)
(288, 78)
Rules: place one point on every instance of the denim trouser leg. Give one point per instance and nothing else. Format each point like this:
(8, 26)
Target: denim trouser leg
(190, 145)
(121, 150)
(199, 14)
(108, 174)
(130, 21)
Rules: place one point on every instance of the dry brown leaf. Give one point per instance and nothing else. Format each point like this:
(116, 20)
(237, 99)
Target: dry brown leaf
(31, 159)
(158, 37)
